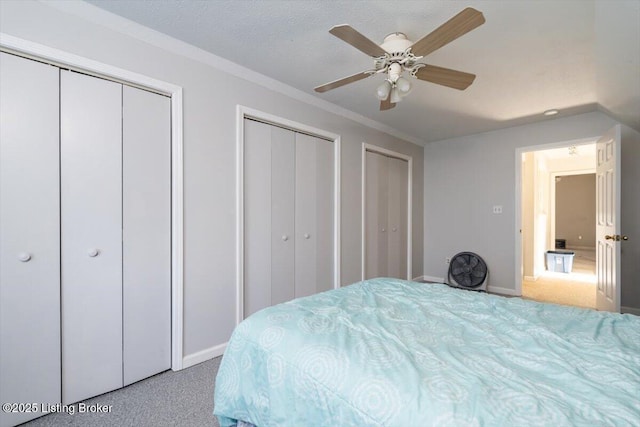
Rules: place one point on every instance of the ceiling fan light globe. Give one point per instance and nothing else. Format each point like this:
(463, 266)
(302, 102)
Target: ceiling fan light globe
(403, 85)
(395, 96)
(383, 90)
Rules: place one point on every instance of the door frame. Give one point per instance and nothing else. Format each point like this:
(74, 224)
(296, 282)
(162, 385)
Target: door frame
(518, 199)
(242, 113)
(389, 153)
(66, 60)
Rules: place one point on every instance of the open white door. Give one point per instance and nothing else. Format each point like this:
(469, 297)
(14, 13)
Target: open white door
(608, 221)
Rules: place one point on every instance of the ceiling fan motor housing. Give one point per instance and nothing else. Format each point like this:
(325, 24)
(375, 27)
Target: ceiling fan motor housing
(396, 43)
(398, 57)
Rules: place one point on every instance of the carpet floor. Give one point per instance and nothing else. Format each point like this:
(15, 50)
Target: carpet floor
(182, 399)
(577, 288)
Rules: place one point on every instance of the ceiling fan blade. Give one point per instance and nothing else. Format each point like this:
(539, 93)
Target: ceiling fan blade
(445, 76)
(455, 27)
(343, 81)
(386, 104)
(357, 40)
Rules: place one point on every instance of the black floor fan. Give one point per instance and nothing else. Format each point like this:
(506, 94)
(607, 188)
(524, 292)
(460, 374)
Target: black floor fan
(468, 270)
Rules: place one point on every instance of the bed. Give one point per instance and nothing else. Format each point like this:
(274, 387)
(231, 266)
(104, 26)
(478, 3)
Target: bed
(388, 352)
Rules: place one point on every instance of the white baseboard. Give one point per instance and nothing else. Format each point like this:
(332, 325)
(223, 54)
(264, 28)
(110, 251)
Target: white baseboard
(203, 355)
(502, 291)
(589, 248)
(433, 279)
(630, 310)
(531, 278)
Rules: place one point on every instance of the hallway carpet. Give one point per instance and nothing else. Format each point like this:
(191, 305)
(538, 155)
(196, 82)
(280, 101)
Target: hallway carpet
(577, 288)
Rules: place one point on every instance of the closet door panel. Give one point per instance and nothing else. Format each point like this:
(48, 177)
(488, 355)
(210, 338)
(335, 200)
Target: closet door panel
(257, 216)
(282, 215)
(383, 216)
(403, 167)
(91, 219)
(377, 215)
(30, 242)
(397, 218)
(372, 217)
(306, 203)
(146, 247)
(324, 236)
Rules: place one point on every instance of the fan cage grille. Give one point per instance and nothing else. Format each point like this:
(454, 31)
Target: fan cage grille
(467, 270)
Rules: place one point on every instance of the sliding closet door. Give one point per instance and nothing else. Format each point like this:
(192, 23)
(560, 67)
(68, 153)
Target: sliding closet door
(376, 213)
(30, 242)
(146, 246)
(397, 217)
(91, 219)
(313, 215)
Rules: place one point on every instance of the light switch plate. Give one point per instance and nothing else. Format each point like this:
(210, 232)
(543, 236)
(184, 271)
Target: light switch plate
(497, 209)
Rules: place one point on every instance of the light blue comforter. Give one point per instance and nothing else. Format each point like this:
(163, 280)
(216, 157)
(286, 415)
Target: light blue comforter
(388, 352)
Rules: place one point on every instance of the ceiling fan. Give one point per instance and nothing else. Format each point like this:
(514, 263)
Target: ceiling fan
(397, 54)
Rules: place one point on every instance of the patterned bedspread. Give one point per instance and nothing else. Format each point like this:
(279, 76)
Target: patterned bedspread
(388, 352)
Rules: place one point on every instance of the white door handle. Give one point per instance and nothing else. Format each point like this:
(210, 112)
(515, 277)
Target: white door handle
(395, 229)
(307, 235)
(93, 252)
(24, 256)
(384, 230)
(285, 237)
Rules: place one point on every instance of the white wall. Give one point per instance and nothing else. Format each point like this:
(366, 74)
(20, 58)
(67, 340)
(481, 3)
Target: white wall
(572, 165)
(210, 99)
(466, 176)
(541, 211)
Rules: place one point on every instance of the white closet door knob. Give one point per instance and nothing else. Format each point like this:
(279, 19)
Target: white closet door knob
(24, 256)
(93, 252)
(307, 235)
(383, 230)
(285, 237)
(395, 229)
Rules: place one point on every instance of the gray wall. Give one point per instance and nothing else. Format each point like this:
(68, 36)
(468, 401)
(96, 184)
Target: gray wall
(576, 210)
(465, 177)
(617, 57)
(210, 99)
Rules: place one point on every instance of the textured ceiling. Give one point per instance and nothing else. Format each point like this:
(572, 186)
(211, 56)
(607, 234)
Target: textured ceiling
(529, 56)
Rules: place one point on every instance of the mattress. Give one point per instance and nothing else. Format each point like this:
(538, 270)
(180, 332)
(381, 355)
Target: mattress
(388, 352)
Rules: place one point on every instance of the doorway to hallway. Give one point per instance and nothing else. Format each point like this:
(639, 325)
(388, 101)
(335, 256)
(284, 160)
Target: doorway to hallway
(558, 213)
